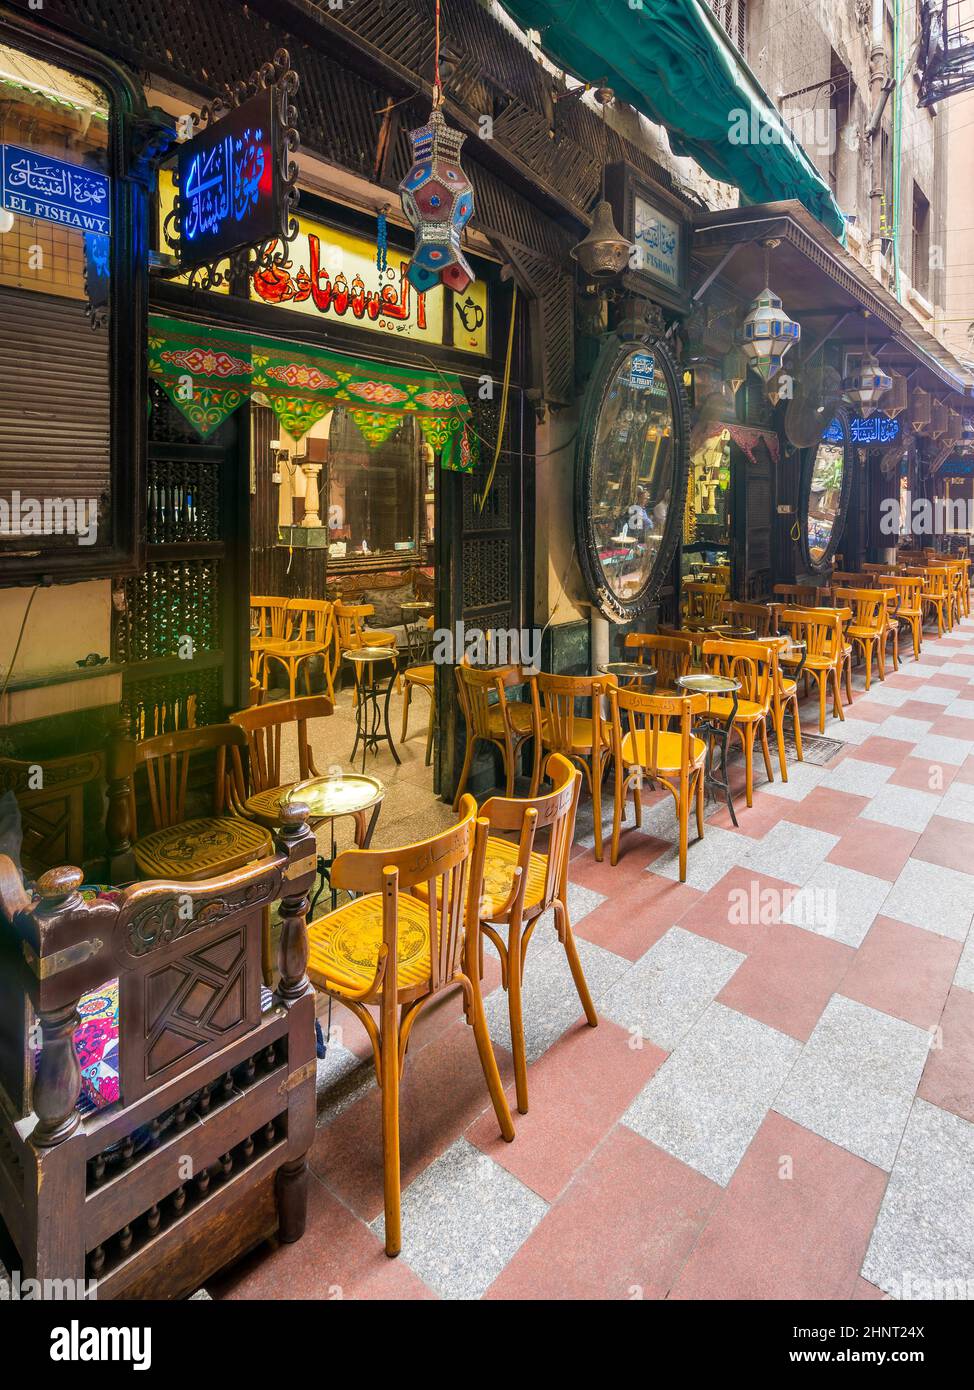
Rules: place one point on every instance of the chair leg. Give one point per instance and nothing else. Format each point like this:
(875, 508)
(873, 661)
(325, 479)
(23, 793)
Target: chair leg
(430, 724)
(597, 804)
(779, 734)
(617, 800)
(536, 766)
(478, 1021)
(700, 804)
(464, 771)
(389, 1073)
(406, 695)
(683, 815)
(820, 676)
(749, 763)
(766, 750)
(848, 680)
(564, 928)
(798, 727)
(837, 695)
(516, 1015)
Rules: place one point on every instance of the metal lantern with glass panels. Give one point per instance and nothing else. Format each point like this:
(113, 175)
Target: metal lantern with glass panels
(867, 385)
(767, 333)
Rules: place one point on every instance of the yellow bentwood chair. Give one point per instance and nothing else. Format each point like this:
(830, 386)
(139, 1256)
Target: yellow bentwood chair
(753, 665)
(392, 949)
(584, 739)
(643, 746)
(491, 717)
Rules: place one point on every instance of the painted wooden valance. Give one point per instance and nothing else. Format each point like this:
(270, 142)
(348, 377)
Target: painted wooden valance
(208, 372)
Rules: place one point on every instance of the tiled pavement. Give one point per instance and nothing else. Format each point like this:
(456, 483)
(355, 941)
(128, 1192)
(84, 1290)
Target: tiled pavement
(778, 1101)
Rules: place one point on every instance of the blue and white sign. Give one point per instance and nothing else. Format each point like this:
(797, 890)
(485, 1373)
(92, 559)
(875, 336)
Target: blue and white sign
(642, 371)
(867, 432)
(36, 185)
(657, 239)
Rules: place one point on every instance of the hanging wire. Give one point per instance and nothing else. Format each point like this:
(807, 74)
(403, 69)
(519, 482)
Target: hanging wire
(504, 395)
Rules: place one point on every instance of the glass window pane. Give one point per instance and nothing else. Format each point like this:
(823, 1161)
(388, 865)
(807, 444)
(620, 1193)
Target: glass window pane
(378, 499)
(824, 496)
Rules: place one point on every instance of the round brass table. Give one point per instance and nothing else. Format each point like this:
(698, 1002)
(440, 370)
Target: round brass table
(329, 798)
(714, 730)
(418, 635)
(630, 671)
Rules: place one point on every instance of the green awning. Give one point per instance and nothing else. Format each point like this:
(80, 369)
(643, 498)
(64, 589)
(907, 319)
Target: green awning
(672, 61)
(209, 372)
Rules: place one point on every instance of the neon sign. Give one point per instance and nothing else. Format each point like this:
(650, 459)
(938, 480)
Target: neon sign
(35, 185)
(229, 196)
(865, 431)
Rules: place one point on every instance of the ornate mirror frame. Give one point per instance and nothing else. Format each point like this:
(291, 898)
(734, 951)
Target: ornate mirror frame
(617, 346)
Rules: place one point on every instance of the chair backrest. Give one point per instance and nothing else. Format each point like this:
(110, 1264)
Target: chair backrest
(868, 606)
(312, 620)
(52, 810)
(819, 628)
(559, 697)
(263, 726)
(271, 616)
(703, 601)
(802, 595)
(871, 567)
(935, 577)
(750, 663)
(451, 868)
(350, 622)
(908, 589)
(645, 718)
(475, 687)
(756, 615)
(529, 817)
(167, 760)
(672, 656)
(847, 579)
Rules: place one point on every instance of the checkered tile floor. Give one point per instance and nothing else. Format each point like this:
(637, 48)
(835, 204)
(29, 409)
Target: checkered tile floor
(778, 1101)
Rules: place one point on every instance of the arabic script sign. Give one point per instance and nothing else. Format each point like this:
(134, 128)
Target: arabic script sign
(657, 239)
(333, 275)
(866, 432)
(36, 185)
(229, 194)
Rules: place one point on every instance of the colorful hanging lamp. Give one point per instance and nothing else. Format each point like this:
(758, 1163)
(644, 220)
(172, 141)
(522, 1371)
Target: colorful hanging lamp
(437, 197)
(767, 332)
(865, 387)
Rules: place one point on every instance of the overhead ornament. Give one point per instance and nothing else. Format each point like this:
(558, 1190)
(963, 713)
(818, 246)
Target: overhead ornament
(603, 253)
(437, 197)
(868, 384)
(767, 332)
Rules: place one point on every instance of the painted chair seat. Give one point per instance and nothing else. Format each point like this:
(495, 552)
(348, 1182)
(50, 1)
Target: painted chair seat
(420, 675)
(747, 710)
(499, 866)
(200, 848)
(343, 948)
(668, 751)
(519, 714)
(582, 733)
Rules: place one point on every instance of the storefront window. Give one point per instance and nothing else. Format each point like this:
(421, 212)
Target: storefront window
(380, 495)
(631, 479)
(824, 499)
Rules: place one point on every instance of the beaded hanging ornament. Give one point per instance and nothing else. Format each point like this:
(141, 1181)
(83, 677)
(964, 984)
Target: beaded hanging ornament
(437, 198)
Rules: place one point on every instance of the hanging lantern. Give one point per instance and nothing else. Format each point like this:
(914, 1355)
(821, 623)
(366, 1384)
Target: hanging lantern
(896, 399)
(438, 200)
(604, 253)
(920, 412)
(734, 369)
(867, 385)
(938, 418)
(767, 332)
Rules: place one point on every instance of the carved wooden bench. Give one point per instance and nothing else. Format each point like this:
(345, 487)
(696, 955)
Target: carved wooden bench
(204, 1153)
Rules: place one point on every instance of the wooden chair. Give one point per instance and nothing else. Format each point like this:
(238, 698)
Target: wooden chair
(391, 949)
(422, 677)
(203, 846)
(521, 882)
(821, 630)
(891, 627)
(867, 628)
(671, 655)
(751, 664)
(784, 698)
(273, 620)
(582, 739)
(504, 723)
(309, 635)
(197, 1151)
(909, 603)
(936, 598)
(846, 579)
(644, 746)
(701, 608)
(263, 727)
(800, 595)
(758, 616)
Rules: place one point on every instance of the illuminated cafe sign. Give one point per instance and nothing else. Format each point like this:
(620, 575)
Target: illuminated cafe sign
(36, 185)
(868, 432)
(229, 188)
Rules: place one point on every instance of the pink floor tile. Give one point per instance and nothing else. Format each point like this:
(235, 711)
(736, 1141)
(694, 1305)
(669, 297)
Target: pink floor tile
(864, 1292)
(923, 774)
(788, 979)
(794, 1223)
(636, 853)
(634, 918)
(740, 910)
(947, 842)
(753, 821)
(443, 1091)
(878, 749)
(826, 809)
(338, 1257)
(903, 971)
(965, 773)
(951, 727)
(577, 1092)
(919, 709)
(948, 1078)
(876, 849)
(621, 1230)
